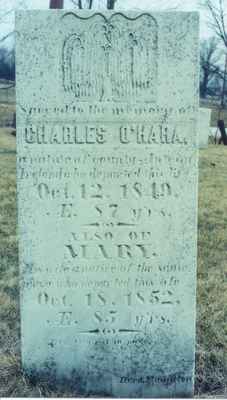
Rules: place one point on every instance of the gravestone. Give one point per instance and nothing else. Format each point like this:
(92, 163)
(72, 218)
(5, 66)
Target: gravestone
(107, 196)
(204, 126)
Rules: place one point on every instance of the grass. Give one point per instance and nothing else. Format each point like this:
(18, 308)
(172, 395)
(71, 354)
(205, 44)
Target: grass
(211, 349)
(8, 94)
(7, 140)
(6, 113)
(211, 368)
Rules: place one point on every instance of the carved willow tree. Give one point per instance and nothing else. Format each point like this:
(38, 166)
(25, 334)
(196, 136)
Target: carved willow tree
(81, 4)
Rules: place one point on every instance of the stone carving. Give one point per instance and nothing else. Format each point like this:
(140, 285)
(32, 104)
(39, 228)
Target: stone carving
(104, 62)
(107, 199)
(204, 126)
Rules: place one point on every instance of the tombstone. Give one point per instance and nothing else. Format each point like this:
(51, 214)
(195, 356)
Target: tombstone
(214, 135)
(107, 196)
(204, 126)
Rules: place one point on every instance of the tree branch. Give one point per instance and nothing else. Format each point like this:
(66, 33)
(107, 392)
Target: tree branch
(56, 4)
(7, 36)
(110, 4)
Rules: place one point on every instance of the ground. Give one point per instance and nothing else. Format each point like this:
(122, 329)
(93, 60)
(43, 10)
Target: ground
(211, 355)
(211, 348)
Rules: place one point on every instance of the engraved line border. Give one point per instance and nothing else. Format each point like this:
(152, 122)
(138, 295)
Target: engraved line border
(108, 19)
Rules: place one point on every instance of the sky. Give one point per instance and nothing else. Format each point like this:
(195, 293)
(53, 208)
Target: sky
(7, 22)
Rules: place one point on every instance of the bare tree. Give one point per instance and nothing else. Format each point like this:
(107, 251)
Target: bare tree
(56, 3)
(7, 61)
(7, 66)
(80, 4)
(110, 4)
(7, 10)
(88, 4)
(217, 19)
(209, 57)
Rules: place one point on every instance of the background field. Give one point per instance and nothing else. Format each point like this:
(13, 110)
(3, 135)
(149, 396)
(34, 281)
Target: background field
(211, 348)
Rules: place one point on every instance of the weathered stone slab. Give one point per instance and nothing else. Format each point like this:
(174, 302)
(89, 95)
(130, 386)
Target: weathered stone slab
(107, 192)
(204, 126)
